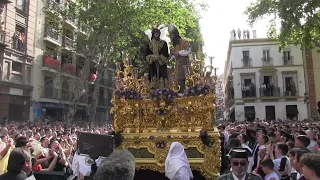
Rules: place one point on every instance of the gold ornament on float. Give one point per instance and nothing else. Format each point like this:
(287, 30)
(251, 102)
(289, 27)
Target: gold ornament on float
(152, 119)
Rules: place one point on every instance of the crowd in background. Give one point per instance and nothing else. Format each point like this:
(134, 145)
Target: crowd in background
(52, 146)
(271, 143)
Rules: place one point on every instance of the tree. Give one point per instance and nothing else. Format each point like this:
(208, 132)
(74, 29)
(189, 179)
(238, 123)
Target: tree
(299, 20)
(113, 27)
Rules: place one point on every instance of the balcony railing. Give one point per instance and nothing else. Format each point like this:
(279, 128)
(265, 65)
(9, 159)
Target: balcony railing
(68, 42)
(270, 92)
(287, 60)
(249, 92)
(267, 61)
(52, 5)
(50, 93)
(71, 19)
(247, 62)
(52, 33)
(290, 91)
(18, 44)
(69, 68)
(66, 95)
(51, 63)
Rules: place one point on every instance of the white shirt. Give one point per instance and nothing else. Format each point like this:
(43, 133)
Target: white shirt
(311, 146)
(272, 175)
(236, 178)
(250, 159)
(288, 167)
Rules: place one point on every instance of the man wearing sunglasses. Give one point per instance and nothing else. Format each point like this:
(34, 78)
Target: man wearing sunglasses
(239, 166)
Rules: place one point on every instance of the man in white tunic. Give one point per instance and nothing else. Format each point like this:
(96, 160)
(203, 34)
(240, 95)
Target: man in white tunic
(177, 166)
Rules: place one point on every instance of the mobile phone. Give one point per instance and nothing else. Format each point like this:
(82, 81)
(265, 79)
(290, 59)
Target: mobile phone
(282, 164)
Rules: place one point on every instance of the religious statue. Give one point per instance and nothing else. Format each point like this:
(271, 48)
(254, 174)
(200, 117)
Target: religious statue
(180, 52)
(239, 33)
(248, 34)
(157, 55)
(244, 34)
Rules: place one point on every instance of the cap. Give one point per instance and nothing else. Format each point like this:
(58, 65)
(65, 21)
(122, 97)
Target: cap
(239, 153)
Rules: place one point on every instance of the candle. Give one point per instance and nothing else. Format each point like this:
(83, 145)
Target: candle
(123, 54)
(118, 66)
(129, 62)
(211, 58)
(135, 72)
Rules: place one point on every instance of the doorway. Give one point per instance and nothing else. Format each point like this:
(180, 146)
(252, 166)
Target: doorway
(270, 113)
(15, 112)
(292, 112)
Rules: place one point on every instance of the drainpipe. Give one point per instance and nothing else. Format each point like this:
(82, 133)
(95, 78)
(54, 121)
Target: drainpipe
(304, 60)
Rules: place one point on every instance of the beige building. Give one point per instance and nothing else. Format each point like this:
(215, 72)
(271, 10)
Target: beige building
(16, 58)
(58, 65)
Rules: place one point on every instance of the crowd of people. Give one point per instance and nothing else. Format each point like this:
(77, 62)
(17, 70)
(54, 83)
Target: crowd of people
(256, 150)
(273, 150)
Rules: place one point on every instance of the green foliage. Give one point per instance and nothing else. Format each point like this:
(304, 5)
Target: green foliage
(299, 20)
(117, 26)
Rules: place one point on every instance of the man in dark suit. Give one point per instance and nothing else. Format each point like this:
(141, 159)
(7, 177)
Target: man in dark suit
(239, 166)
(19, 165)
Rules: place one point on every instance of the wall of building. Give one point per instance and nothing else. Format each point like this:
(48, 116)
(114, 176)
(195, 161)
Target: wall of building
(280, 108)
(256, 71)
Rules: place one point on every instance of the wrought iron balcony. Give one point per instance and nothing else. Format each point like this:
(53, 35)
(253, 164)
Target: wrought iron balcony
(68, 42)
(287, 60)
(19, 44)
(267, 61)
(69, 68)
(53, 5)
(290, 91)
(52, 33)
(51, 62)
(249, 93)
(270, 92)
(50, 93)
(247, 62)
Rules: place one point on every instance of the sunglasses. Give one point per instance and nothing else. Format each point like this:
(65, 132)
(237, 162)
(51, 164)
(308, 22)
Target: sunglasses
(236, 163)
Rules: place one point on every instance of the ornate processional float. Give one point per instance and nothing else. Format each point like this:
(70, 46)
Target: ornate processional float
(150, 118)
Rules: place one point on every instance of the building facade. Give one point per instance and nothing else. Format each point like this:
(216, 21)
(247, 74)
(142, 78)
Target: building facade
(58, 66)
(262, 81)
(219, 98)
(16, 58)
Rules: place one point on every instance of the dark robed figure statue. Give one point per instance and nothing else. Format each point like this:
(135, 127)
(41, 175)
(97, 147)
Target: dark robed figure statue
(157, 55)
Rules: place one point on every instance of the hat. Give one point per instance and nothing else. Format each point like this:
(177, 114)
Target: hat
(239, 153)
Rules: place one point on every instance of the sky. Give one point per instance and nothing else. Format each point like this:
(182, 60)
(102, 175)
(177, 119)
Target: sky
(217, 22)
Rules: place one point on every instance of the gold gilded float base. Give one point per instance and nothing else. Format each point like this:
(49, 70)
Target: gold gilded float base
(151, 149)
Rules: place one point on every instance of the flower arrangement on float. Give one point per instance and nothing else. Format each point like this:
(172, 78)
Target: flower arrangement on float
(163, 94)
(197, 90)
(127, 94)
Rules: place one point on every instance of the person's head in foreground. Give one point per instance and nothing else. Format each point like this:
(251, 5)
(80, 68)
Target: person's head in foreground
(267, 166)
(20, 160)
(120, 165)
(310, 163)
(239, 161)
(177, 166)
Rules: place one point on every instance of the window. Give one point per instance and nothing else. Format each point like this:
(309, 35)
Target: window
(287, 58)
(19, 39)
(286, 55)
(245, 54)
(22, 5)
(48, 81)
(16, 66)
(266, 55)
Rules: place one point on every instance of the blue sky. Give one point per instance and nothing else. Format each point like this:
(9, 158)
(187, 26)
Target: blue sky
(217, 22)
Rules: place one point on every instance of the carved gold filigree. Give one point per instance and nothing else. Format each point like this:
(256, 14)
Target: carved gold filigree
(183, 114)
(208, 165)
